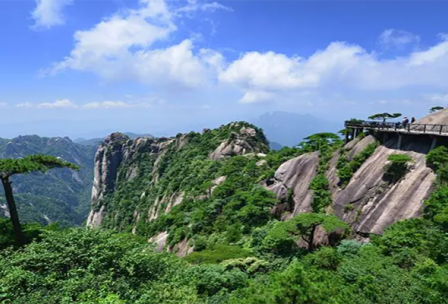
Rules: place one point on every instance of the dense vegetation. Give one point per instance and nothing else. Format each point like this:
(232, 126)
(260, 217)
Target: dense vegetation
(242, 252)
(58, 196)
(397, 167)
(405, 265)
(347, 168)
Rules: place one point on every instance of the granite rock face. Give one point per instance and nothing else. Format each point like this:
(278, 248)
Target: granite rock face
(368, 203)
(117, 160)
(371, 204)
(116, 149)
(239, 143)
(295, 174)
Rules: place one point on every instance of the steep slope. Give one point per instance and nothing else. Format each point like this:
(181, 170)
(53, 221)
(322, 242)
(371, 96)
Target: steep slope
(138, 180)
(370, 204)
(196, 190)
(59, 195)
(439, 117)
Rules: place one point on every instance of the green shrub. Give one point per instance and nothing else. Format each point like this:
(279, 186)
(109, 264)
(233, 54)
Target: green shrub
(349, 207)
(217, 254)
(437, 158)
(346, 169)
(349, 248)
(321, 193)
(397, 168)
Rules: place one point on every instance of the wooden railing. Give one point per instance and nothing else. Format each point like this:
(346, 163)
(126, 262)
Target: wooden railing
(399, 127)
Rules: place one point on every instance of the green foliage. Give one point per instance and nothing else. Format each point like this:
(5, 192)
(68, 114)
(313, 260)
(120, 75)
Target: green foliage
(437, 158)
(93, 266)
(320, 142)
(30, 231)
(397, 168)
(86, 266)
(349, 248)
(346, 168)
(435, 109)
(277, 240)
(384, 116)
(59, 195)
(417, 234)
(321, 193)
(217, 254)
(32, 163)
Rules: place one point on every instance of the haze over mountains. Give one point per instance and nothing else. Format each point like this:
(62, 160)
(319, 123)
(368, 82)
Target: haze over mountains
(59, 195)
(288, 129)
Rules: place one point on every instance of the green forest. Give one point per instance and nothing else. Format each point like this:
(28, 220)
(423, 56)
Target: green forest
(243, 252)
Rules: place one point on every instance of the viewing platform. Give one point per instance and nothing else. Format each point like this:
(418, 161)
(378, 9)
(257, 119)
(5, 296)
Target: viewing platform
(433, 131)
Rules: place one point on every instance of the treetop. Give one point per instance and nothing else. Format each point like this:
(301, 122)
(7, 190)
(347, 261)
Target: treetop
(385, 115)
(32, 163)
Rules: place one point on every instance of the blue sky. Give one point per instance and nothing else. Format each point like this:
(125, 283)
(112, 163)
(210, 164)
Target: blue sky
(88, 67)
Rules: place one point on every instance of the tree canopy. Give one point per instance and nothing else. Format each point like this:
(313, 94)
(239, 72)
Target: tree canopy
(320, 140)
(32, 163)
(435, 109)
(27, 164)
(384, 116)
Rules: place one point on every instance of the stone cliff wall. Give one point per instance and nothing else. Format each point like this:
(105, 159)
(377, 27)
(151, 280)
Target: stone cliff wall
(119, 159)
(368, 203)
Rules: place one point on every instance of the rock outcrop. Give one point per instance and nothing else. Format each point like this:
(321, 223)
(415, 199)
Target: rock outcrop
(295, 174)
(437, 118)
(370, 204)
(116, 149)
(120, 160)
(243, 141)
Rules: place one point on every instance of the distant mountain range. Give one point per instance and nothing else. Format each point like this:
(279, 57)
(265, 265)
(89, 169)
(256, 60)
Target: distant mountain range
(60, 194)
(288, 129)
(97, 141)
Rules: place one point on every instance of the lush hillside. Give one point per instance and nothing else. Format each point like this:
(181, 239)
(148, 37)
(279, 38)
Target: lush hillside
(253, 227)
(407, 264)
(60, 195)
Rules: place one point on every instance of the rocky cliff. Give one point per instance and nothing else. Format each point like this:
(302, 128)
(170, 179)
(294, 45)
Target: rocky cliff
(136, 180)
(179, 191)
(368, 203)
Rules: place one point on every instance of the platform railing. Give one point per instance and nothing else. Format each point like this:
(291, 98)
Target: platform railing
(399, 127)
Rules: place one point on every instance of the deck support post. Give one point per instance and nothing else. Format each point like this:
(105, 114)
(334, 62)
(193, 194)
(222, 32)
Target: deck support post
(346, 135)
(384, 137)
(399, 141)
(433, 143)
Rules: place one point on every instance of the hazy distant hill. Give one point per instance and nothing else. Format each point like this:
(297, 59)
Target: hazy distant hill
(288, 129)
(97, 141)
(59, 195)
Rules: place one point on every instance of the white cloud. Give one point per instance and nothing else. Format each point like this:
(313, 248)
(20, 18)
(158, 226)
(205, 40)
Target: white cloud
(256, 96)
(25, 105)
(197, 5)
(114, 105)
(393, 38)
(340, 66)
(66, 103)
(49, 13)
(438, 97)
(121, 47)
(61, 103)
(3, 105)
